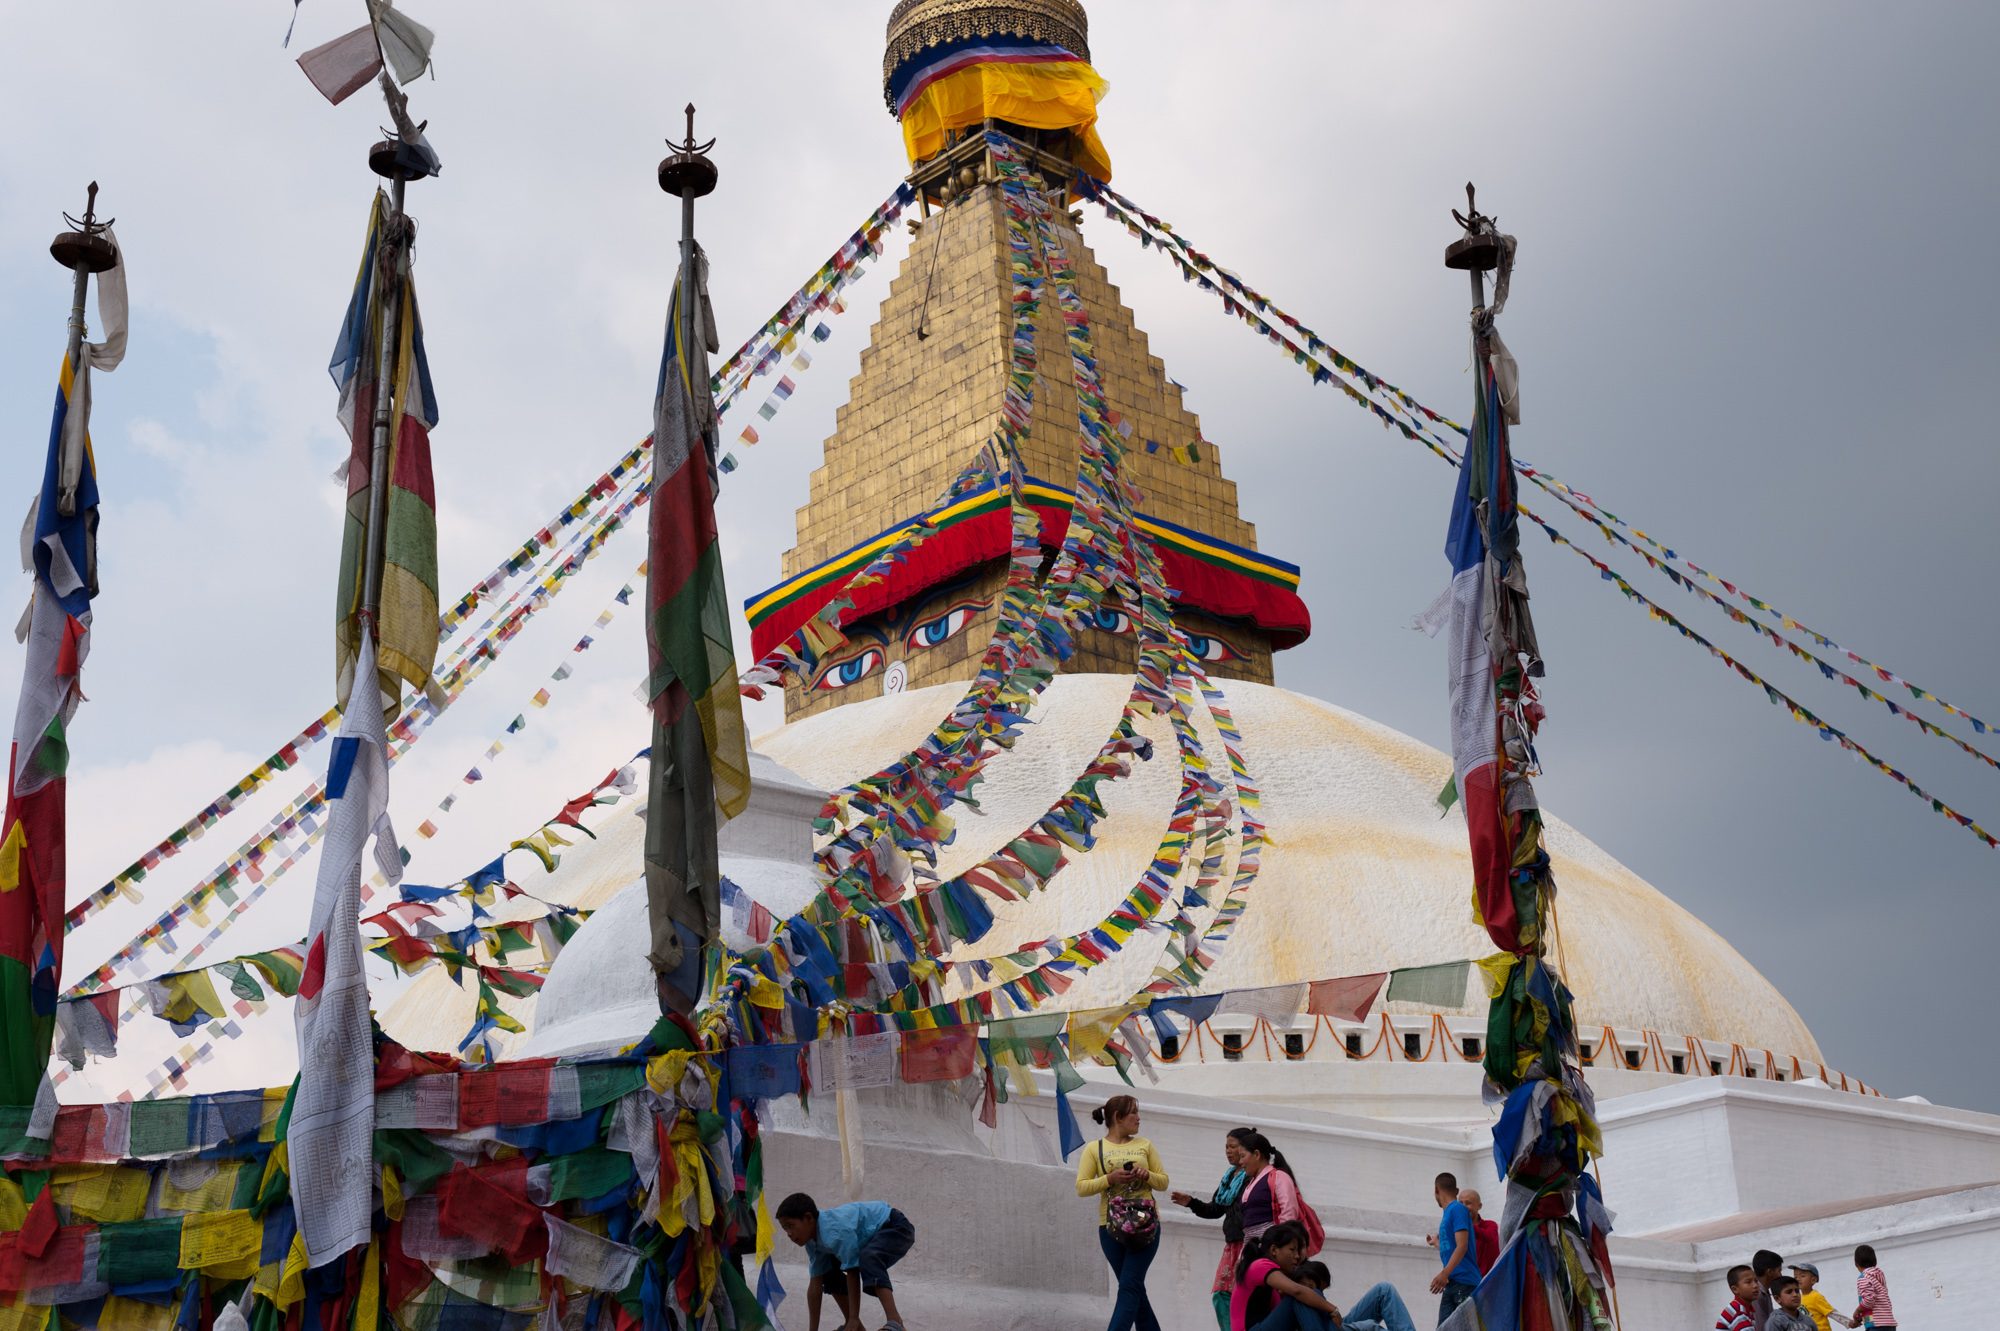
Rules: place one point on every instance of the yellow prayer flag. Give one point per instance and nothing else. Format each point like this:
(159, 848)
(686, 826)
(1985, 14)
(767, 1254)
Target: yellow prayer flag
(368, 1307)
(392, 1193)
(1494, 970)
(292, 1282)
(1091, 1030)
(123, 1314)
(10, 857)
(22, 1315)
(664, 1071)
(212, 1193)
(108, 1194)
(224, 1243)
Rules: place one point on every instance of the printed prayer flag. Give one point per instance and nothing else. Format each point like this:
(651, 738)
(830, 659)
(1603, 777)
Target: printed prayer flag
(343, 66)
(945, 1054)
(61, 540)
(1347, 999)
(331, 1136)
(1430, 986)
(700, 749)
(407, 624)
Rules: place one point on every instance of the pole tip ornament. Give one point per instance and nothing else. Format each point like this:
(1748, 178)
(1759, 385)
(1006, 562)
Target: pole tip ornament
(85, 247)
(404, 154)
(687, 172)
(1478, 250)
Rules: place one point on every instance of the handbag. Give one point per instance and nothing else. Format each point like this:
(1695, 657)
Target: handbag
(1133, 1219)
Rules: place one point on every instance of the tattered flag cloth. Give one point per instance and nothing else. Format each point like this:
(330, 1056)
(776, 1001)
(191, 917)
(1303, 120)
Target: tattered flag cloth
(407, 626)
(1475, 727)
(59, 546)
(333, 1111)
(700, 759)
(341, 67)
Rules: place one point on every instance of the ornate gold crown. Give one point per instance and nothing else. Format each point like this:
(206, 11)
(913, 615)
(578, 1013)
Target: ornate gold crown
(917, 25)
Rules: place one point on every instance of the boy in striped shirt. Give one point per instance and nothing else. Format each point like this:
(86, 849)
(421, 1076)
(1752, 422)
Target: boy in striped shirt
(1743, 1287)
(1872, 1288)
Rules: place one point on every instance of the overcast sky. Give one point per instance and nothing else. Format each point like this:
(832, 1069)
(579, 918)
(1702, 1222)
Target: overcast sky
(1754, 313)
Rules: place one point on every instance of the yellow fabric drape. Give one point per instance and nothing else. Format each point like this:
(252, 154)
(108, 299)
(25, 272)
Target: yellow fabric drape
(1061, 95)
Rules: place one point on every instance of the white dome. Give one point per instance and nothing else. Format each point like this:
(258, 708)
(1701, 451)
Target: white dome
(1360, 873)
(600, 992)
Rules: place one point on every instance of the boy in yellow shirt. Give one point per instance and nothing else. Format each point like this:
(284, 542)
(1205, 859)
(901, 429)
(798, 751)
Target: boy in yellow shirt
(1814, 1302)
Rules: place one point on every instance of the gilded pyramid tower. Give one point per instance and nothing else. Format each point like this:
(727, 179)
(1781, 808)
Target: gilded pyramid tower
(931, 385)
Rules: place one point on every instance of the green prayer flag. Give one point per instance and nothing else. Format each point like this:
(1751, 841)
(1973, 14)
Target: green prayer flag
(1431, 986)
(139, 1250)
(601, 1083)
(159, 1127)
(588, 1173)
(419, 1161)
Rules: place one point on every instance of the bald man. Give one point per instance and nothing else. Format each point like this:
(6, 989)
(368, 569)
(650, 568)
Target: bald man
(1485, 1234)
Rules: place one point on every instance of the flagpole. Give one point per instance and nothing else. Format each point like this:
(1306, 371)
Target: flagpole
(384, 161)
(84, 249)
(1478, 253)
(681, 825)
(690, 174)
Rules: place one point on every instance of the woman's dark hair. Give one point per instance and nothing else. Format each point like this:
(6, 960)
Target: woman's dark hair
(1117, 1107)
(1277, 1236)
(1864, 1257)
(1257, 1143)
(1240, 1135)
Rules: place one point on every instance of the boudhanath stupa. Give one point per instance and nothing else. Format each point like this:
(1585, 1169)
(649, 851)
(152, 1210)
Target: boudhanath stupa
(1724, 1129)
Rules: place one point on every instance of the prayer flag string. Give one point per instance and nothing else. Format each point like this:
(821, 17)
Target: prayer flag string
(302, 815)
(1419, 427)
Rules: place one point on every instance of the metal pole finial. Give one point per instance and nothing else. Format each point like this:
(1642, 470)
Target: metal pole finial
(84, 248)
(687, 172)
(1478, 250)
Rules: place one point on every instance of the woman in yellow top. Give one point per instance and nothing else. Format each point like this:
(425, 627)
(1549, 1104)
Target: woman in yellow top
(1122, 1170)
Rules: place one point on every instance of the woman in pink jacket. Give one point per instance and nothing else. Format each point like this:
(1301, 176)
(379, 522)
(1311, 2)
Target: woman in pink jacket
(1272, 1194)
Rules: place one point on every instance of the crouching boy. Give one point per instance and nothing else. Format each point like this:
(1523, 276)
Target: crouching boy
(850, 1250)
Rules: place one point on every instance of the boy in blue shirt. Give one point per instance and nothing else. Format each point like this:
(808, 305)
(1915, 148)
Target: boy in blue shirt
(1459, 1277)
(853, 1246)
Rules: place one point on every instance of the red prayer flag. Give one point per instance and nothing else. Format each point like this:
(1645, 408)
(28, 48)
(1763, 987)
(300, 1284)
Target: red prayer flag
(1346, 999)
(940, 1055)
(511, 1094)
(491, 1204)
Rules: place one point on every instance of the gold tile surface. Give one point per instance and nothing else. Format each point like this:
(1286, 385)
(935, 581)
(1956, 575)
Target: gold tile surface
(922, 404)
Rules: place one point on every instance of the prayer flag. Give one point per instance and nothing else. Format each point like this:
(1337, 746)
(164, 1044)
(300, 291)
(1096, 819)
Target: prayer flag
(1347, 999)
(1473, 695)
(331, 1140)
(700, 751)
(1441, 986)
(343, 66)
(944, 1054)
(62, 543)
(407, 625)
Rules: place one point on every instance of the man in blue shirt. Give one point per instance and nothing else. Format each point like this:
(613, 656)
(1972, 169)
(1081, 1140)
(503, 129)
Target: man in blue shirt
(1460, 1274)
(852, 1246)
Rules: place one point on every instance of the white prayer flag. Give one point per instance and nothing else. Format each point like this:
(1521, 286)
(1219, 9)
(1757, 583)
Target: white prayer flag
(331, 1139)
(343, 66)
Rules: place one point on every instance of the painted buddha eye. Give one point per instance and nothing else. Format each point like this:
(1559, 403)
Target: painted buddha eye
(851, 671)
(943, 628)
(1205, 648)
(1111, 620)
